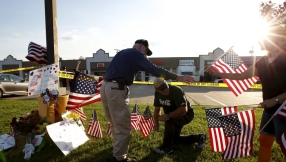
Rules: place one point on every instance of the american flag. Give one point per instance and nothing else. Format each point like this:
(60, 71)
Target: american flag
(231, 63)
(94, 126)
(146, 122)
(37, 53)
(282, 143)
(218, 140)
(239, 130)
(108, 128)
(135, 118)
(281, 112)
(84, 92)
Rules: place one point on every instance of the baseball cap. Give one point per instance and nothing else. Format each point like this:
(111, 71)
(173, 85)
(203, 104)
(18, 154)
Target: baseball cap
(145, 43)
(160, 84)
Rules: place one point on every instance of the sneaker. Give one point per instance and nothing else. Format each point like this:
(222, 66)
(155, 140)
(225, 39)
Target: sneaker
(163, 150)
(125, 160)
(202, 141)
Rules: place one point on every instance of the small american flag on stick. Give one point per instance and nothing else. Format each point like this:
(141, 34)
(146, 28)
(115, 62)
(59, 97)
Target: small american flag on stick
(239, 130)
(281, 112)
(231, 63)
(37, 53)
(146, 122)
(108, 128)
(218, 139)
(282, 143)
(85, 90)
(135, 118)
(94, 126)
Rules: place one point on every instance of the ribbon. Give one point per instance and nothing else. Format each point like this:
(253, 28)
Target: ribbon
(28, 150)
(52, 95)
(55, 95)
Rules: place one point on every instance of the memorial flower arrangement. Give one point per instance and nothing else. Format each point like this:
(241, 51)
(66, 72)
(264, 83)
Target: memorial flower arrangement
(30, 123)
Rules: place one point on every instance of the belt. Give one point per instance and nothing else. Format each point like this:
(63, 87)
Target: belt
(111, 80)
(114, 80)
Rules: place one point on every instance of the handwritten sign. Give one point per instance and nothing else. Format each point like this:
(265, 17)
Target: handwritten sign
(6, 141)
(43, 78)
(67, 136)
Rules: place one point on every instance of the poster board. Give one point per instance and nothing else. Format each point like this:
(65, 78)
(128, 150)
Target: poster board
(43, 78)
(6, 142)
(67, 136)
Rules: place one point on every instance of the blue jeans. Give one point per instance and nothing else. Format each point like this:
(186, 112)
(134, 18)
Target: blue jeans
(275, 127)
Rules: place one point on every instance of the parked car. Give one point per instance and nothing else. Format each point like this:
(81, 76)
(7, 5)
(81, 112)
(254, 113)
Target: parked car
(12, 84)
(218, 81)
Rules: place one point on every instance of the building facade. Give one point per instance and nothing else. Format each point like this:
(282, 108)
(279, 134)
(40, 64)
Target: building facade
(99, 62)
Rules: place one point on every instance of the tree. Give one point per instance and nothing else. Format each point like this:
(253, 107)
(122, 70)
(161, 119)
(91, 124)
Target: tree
(81, 58)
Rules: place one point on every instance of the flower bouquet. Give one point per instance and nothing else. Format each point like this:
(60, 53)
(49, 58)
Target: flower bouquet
(30, 123)
(25, 128)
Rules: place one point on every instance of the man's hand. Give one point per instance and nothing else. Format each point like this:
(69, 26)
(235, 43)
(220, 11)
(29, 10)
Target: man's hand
(211, 71)
(163, 118)
(185, 78)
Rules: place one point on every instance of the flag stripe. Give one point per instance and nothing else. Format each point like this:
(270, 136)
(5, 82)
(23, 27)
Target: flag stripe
(281, 112)
(236, 86)
(146, 122)
(84, 92)
(94, 126)
(37, 53)
(241, 145)
(282, 143)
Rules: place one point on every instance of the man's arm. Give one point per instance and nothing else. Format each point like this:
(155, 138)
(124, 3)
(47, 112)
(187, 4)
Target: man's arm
(156, 115)
(250, 72)
(177, 113)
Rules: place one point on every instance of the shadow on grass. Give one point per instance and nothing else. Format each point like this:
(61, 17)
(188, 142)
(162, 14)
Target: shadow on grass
(179, 154)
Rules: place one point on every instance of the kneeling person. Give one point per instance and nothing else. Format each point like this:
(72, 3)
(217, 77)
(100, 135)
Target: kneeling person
(177, 113)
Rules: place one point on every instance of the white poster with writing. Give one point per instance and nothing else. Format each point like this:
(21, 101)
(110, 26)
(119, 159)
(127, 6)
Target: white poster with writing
(43, 78)
(67, 135)
(6, 142)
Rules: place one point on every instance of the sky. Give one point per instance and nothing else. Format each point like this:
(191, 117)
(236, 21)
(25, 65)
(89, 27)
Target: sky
(173, 28)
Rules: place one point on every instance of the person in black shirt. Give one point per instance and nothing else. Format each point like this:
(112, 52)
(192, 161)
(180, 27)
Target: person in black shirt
(177, 113)
(271, 71)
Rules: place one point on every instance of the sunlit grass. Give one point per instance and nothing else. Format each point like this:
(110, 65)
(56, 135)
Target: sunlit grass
(97, 149)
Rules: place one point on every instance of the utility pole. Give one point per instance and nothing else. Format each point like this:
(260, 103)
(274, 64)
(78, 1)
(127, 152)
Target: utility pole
(52, 36)
(251, 51)
(51, 31)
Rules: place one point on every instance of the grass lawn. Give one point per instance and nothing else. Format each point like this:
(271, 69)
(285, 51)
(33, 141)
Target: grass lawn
(100, 149)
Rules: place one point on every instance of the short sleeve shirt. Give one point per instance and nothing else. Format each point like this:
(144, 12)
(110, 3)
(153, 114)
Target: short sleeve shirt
(171, 102)
(273, 78)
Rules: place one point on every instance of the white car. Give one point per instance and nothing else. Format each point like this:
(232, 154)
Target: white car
(12, 84)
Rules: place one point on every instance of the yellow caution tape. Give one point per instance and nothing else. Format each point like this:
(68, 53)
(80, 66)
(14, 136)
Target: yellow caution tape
(202, 84)
(19, 69)
(68, 75)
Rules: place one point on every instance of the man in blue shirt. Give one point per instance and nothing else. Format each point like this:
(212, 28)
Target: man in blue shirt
(115, 91)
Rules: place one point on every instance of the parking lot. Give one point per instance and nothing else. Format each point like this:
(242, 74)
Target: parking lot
(144, 94)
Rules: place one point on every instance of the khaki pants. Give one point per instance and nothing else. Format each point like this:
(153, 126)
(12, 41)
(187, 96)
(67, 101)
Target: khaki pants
(117, 111)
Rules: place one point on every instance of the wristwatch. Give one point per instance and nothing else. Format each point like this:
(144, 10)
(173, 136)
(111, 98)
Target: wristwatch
(169, 115)
(276, 99)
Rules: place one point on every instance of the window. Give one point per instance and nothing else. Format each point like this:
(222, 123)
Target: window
(4, 78)
(16, 78)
